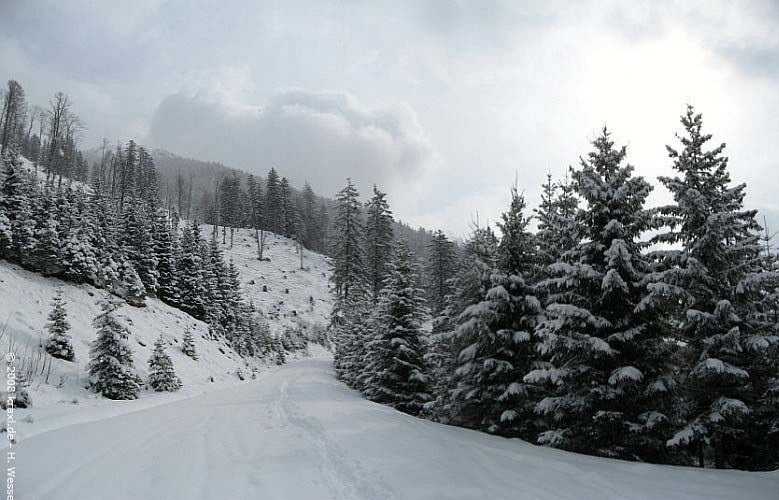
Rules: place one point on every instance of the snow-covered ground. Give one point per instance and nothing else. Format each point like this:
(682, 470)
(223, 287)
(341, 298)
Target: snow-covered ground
(59, 393)
(294, 296)
(297, 433)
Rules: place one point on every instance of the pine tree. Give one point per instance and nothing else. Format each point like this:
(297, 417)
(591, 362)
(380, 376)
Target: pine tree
(547, 215)
(605, 348)
(378, 239)
(12, 201)
(288, 213)
(515, 250)
(496, 335)
(110, 365)
(272, 211)
(191, 283)
(59, 344)
(348, 275)
(164, 249)
(442, 266)
(126, 283)
(138, 244)
(18, 200)
(256, 214)
(397, 372)
(78, 257)
(162, 376)
(469, 286)
(188, 344)
(719, 280)
(308, 214)
(44, 256)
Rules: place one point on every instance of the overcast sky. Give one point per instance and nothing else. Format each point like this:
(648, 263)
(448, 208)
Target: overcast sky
(440, 103)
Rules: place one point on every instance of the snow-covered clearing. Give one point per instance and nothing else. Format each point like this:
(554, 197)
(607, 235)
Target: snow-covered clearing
(293, 295)
(297, 433)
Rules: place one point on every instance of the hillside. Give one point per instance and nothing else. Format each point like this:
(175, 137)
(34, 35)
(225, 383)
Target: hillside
(58, 387)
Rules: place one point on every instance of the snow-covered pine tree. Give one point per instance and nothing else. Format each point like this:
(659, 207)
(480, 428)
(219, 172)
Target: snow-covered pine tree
(138, 244)
(188, 344)
(495, 337)
(19, 195)
(44, 257)
(607, 357)
(14, 194)
(288, 212)
(348, 278)
(111, 369)
(215, 279)
(397, 374)
(718, 279)
(557, 231)
(442, 266)
(164, 241)
(77, 255)
(546, 214)
(348, 268)
(162, 375)
(272, 210)
(468, 287)
(308, 209)
(58, 343)
(256, 213)
(127, 284)
(378, 241)
(191, 283)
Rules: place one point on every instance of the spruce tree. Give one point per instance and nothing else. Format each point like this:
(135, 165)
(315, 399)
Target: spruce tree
(378, 241)
(272, 211)
(164, 248)
(191, 281)
(188, 344)
(44, 257)
(308, 214)
(138, 243)
(442, 266)
(59, 344)
(288, 212)
(162, 376)
(12, 202)
(348, 273)
(397, 372)
(607, 359)
(718, 279)
(111, 369)
(494, 335)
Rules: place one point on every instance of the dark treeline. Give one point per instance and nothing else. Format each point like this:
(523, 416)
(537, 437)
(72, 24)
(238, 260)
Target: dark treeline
(584, 335)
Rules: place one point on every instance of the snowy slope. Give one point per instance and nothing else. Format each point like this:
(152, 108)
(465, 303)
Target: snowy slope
(59, 393)
(288, 301)
(299, 434)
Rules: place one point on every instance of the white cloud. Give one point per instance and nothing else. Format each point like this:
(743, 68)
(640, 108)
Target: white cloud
(320, 137)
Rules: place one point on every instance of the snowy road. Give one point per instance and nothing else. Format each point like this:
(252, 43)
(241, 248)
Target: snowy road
(299, 434)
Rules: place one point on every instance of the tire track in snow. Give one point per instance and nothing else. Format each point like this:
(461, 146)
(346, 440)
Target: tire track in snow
(343, 479)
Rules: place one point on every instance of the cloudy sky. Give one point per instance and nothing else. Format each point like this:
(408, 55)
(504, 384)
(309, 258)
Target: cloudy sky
(441, 103)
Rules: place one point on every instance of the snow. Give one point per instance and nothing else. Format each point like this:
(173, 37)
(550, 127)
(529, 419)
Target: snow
(625, 373)
(25, 302)
(281, 274)
(299, 434)
(718, 366)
